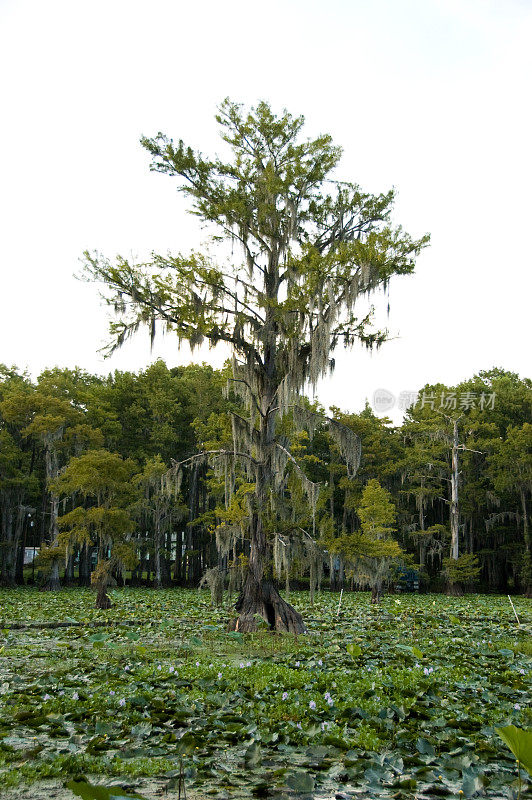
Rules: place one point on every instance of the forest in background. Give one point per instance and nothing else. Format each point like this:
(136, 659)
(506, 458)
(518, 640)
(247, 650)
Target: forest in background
(86, 477)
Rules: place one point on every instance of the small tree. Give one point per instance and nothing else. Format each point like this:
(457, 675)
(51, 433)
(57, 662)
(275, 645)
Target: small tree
(371, 552)
(312, 246)
(103, 480)
(461, 571)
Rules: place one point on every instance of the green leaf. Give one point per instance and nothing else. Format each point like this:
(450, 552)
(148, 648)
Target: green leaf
(520, 743)
(252, 756)
(187, 744)
(300, 782)
(424, 747)
(98, 637)
(405, 648)
(354, 650)
(471, 784)
(87, 791)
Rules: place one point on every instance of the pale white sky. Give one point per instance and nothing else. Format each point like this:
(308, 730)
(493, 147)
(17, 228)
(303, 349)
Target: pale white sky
(430, 96)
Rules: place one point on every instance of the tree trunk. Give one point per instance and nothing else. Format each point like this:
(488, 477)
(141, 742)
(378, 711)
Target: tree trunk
(142, 566)
(52, 583)
(422, 555)
(85, 566)
(312, 581)
(454, 589)
(21, 551)
(19, 527)
(158, 542)
(103, 600)
(158, 573)
(332, 573)
(526, 572)
(257, 596)
(422, 543)
(455, 516)
(264, 600)
(341, 573)
(166, 563)
(52, 470)
(6, 552)
(177, 562)
(69, 570)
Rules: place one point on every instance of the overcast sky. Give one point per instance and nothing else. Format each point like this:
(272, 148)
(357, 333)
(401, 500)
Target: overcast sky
(429, 96)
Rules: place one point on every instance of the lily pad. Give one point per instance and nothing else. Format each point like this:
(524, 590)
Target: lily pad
(88, 791)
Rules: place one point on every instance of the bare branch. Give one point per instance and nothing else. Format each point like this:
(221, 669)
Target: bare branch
(251, 392)
(292, 459)
(206, 453)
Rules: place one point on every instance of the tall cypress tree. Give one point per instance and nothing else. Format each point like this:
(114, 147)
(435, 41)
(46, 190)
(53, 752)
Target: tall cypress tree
(311, 246)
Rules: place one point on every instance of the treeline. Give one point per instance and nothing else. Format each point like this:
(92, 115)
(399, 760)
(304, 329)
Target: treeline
(73, 442)
(88, 478)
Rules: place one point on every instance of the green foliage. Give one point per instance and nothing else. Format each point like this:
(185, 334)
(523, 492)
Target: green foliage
(162, 414)
(88, 791)
(103, 480)
(511, 472)
(272, 190)
(520, 743)
(371, 551)
(386, 697)
(463, 570)
(99, 475)
(354, 650)
(376, 510)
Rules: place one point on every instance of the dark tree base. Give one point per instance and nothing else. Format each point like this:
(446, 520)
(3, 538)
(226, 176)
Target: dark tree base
(265, 601)
(455, 590)
(51, 585)
(166, 583)
(375, 595)
(102, 599)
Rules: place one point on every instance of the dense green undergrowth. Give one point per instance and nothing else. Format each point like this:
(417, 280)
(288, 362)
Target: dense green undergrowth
(399, 700)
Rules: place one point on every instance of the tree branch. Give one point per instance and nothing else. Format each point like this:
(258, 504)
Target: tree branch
(292, 459)
(206, 453)
(251, 392)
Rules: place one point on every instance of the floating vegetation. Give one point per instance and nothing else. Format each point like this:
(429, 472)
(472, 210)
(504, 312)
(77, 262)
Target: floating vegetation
(401, 700)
